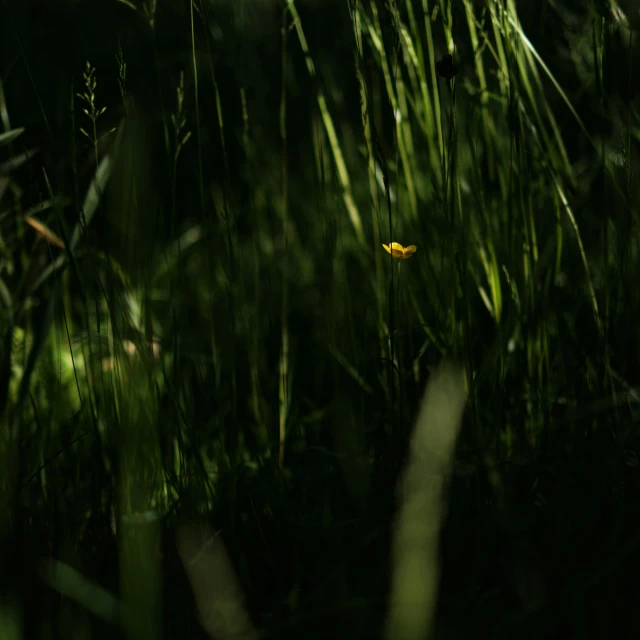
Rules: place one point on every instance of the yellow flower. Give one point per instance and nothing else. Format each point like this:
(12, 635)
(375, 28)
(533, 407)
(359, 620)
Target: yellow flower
(398, 251)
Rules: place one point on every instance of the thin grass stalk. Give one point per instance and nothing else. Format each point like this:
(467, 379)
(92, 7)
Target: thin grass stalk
(219, 116)
(284, 356)
(392, 320)
(591, 291)
(390, 359)
(487, 122)
(66, 302)
(463, 261)
(341, 167)
(401, 113)
(394, 84)
(194, 63)
(434, 79)
(598, 52)
(446, 12)
(233, 290)
(371, 164)
(499, 53)
(525, 56)
(422, 100)
(416, 44)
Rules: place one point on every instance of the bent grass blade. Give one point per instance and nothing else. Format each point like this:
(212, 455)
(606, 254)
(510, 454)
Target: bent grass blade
(415, 552)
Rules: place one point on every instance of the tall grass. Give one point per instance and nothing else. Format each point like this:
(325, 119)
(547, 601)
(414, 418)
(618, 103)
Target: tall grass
(214, 334)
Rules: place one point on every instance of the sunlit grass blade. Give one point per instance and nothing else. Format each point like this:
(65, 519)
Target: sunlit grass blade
(334, 143)
(419, 522)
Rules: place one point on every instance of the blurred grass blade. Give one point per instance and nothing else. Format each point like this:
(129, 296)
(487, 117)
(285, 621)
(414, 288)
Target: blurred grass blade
(175, 251)
(128, 4)
(47, 204)
(43, 231)
(17, 161)
(351, 370)
(10, 621)
(70, 583)
(5, 368)
(92, 197)
(5, 297)
(284, 394)
(138, 541)
(5, 359)
(415, 578)
(9, 136)
(215, 587)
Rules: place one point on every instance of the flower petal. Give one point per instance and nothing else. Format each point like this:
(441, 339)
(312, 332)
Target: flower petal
(409, 251)
(397, 250)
